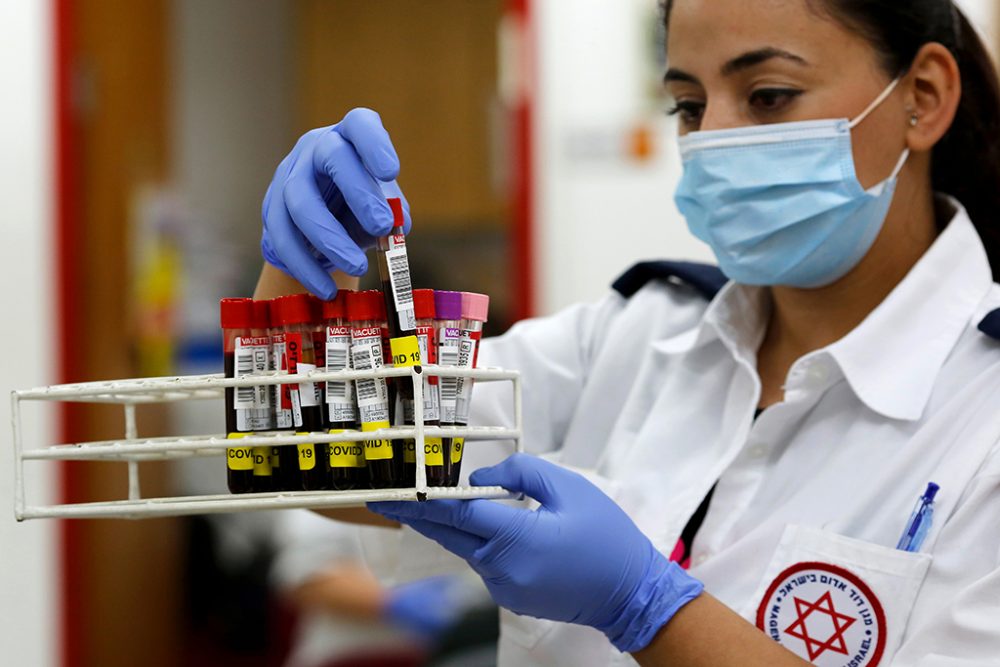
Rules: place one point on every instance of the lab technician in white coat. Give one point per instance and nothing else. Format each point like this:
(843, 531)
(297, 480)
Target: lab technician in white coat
(841, 159)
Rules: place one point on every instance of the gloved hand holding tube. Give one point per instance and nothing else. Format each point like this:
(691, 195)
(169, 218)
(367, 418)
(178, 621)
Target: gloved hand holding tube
(578, 558)
(327, 201)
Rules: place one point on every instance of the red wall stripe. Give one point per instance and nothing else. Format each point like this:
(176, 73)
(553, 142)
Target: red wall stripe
(71, 616)
(523, 190)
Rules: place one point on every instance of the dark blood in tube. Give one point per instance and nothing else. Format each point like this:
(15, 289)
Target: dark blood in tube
(304, 398)
(284, 458)
(236, 316)
(366, 313)
(347, 459)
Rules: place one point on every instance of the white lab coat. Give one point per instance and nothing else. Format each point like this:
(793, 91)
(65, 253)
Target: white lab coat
(654, 396)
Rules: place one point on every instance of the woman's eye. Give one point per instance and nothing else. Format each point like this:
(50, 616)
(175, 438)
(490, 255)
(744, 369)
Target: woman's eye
(770, 100)
(689, 112)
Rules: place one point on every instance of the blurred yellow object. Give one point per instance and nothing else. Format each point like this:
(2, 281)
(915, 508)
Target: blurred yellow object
(157, 284)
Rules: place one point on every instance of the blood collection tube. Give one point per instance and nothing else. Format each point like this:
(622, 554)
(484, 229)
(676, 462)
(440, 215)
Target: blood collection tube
(448, 321)
(404, 349)
(260, 331)
(423, 302)
(347, 459)
(318, 328)
(366, 313)
(394, 272)
(304, 398)
(475, 309)
(285, 458)
(236, 317)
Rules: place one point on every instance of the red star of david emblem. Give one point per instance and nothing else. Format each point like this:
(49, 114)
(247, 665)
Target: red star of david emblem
(816, 647)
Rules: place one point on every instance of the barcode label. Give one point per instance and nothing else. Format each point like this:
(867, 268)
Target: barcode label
(339, 395)
(243, 397)
(466, 359)
(283, 416)
(432, 406)
(261, 363)
(448, 355)
(252, 404)
(402, 289)
(253, 420)
(373, 394)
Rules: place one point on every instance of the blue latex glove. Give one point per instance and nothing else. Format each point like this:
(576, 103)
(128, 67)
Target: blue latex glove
(327, 201)
(427, 607)
(578, 558)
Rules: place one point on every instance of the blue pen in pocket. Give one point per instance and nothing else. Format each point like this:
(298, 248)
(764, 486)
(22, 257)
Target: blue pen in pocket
(920, 521)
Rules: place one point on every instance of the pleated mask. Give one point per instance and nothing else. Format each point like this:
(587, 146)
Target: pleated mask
(781, 204)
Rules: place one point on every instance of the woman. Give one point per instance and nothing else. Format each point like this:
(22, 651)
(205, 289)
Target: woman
(782, 430)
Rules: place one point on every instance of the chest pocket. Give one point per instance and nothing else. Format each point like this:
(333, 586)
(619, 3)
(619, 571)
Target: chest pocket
(837, 601)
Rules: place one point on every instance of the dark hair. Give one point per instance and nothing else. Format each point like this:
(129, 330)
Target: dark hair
(966, 162)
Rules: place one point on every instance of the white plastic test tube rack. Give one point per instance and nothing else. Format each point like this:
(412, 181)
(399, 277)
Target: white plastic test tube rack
(132, 449)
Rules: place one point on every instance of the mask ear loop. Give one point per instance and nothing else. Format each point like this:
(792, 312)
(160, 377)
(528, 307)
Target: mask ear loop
(875, 105)
(899, 165)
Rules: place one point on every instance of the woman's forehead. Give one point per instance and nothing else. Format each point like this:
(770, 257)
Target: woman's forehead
(718, 31)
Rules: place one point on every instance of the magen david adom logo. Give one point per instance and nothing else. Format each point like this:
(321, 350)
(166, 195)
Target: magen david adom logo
(824, 614)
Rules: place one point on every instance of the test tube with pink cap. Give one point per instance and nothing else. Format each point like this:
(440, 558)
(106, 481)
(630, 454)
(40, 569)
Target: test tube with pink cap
(475, 309)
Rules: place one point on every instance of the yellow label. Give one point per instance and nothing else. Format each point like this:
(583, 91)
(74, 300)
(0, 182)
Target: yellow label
(457, 445)
(239, 458)
(376, 450)
(307, 455)
(261, 462)
(405, 351)
(346, 454)
(409, 451)
(275, 458)
(433, 452)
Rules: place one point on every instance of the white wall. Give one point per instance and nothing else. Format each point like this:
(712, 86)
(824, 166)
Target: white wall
(29, 631)
(985, 14)
(597, 210)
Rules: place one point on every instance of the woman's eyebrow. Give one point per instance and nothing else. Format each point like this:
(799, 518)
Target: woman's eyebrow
(739, 64)
(754, 58)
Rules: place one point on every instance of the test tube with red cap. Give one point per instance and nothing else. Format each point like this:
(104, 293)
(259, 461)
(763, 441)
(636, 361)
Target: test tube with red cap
(394, 271)
(423, 302)
(318, 328)
(475, 309)
(347, 459)
(236, 318)
(366, 313)
(260, 333)
(304, 398)
(448, 322)
(284, 459)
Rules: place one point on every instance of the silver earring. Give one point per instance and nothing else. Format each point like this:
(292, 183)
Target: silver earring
(914, 120)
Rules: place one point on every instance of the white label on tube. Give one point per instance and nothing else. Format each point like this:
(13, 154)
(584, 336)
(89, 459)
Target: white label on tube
(309, 392)
(402, 289)
(243, 397)
(283, 418)
(448, 355)
(466, 359)
(432, 399)
(373, 395)
(339, 395)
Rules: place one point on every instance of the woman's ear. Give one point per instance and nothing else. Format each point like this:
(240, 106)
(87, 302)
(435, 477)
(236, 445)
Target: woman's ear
(934, 96)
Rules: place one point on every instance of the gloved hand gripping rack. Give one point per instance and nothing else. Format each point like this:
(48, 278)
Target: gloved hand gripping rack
(132, 449)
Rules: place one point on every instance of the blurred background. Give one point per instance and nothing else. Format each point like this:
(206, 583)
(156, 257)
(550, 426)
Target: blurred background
(138, 139)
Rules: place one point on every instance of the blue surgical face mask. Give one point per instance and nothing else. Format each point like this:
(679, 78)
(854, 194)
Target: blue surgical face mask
(781, 204)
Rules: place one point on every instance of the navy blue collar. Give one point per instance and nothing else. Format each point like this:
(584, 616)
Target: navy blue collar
(991, 325)
(706, 279)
